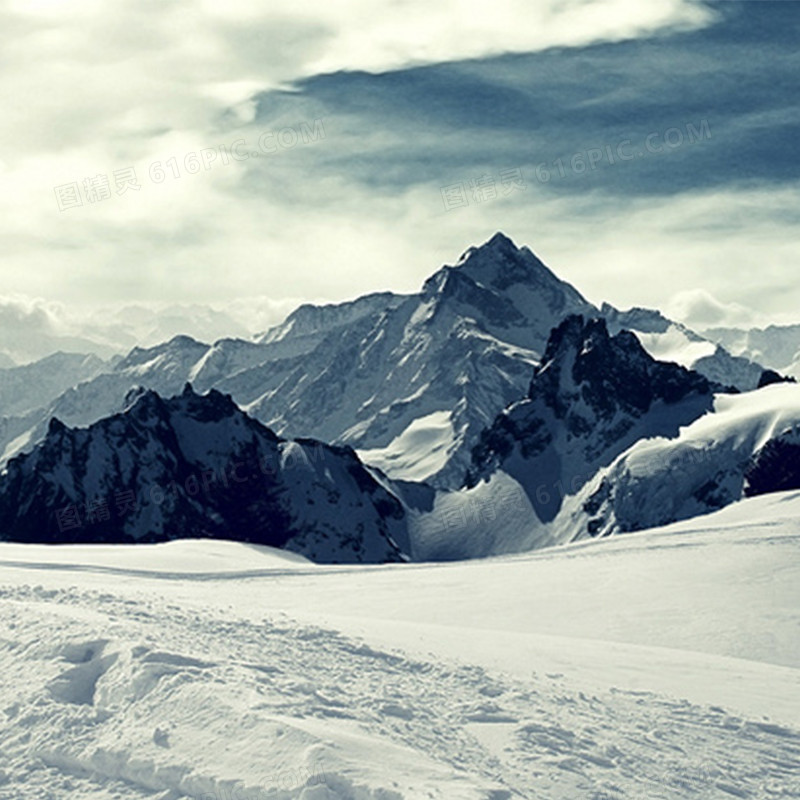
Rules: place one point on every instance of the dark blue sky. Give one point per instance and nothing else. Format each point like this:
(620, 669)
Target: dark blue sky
(740, 75)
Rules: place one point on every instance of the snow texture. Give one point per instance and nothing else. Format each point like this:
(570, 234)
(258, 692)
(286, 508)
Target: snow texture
(662, 664)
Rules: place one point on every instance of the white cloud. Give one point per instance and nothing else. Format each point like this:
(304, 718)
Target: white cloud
(739, 245)
(92, 87)
(702, 257)
(31, 328)
(699, 309)
(383, 36)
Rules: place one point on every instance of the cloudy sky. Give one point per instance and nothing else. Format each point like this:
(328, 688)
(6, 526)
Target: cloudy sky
(256, 154)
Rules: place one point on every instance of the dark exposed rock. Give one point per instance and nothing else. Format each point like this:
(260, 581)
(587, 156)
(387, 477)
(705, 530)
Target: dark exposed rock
(775, 468)
(592, 396)
(769, 376)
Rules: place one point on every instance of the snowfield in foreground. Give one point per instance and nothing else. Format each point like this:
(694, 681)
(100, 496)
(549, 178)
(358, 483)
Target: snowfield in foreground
(663, 664)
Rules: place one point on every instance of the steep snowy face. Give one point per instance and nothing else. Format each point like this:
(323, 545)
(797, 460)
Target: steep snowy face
(749, 445)
(591, 398)
(196, 466)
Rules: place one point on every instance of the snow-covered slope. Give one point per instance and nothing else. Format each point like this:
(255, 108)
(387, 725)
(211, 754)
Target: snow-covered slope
(749, 445)
(197, 466)
(662, 664)
(421, 450)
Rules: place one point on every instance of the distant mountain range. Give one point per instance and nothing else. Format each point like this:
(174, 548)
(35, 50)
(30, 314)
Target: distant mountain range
(31, 331)
(408, 380)
(496, 410)
(776, 346)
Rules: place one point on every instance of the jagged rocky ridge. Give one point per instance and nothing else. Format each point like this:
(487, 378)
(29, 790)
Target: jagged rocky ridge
(196, 466)
(591, 398)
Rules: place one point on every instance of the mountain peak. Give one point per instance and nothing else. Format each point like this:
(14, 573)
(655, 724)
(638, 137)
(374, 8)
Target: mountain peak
(499, 264)
(590, 399)
(132, 396)
(500, 247)
(55, 426)
(608, 372)
(501, 242)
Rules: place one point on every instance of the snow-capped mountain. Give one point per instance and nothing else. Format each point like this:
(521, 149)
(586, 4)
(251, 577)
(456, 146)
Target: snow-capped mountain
(776, 346)
(749, 445)
(417, 386)
(307, 325)
(511, 293)
(197, 466)
(597, 447)
(670, 341)
(26, 387)
(409, 381)
(431, 372)
(378, 374)
(591, 398)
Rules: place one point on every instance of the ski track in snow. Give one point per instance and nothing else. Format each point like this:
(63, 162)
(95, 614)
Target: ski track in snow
(107, 695)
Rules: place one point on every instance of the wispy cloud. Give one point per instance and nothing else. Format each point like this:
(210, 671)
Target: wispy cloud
(700, 310)
(93, 89)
